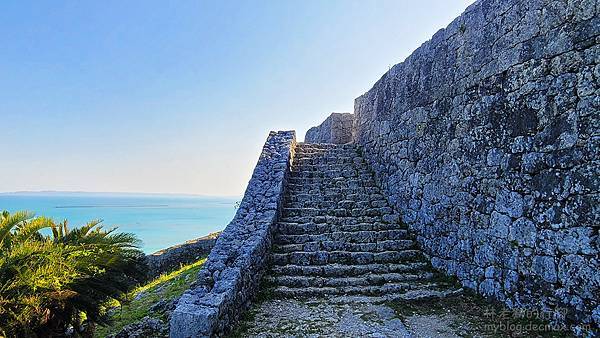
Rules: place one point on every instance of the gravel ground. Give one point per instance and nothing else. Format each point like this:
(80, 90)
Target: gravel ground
(324, 318)
(457, 315)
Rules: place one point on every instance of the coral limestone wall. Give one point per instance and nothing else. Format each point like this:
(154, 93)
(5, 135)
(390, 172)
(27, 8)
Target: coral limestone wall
(337, 128)
(171, 258)
(230, 277)
(487, 139)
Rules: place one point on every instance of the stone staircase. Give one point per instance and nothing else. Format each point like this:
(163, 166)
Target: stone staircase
(338, 237)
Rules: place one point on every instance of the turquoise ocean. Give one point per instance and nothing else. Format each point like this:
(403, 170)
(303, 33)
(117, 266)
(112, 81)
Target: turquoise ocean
(158, 220)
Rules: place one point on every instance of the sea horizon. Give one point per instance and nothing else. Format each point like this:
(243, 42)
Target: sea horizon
(74, 192)
(160, 220)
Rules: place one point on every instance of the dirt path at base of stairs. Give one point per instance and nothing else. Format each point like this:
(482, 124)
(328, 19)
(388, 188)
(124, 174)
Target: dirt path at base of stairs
(459, 316)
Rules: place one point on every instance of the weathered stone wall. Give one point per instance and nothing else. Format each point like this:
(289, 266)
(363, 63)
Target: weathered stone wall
(487, 139)
(338, 128)
(230, 277)
(171, 258)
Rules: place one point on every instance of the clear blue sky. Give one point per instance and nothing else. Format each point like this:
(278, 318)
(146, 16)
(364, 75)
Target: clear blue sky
(178, 97)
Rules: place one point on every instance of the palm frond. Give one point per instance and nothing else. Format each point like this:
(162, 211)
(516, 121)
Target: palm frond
(46, 282)
(25, 230)
(9, 221)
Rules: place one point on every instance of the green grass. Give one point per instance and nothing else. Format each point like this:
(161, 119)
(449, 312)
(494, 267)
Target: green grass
(165, 287)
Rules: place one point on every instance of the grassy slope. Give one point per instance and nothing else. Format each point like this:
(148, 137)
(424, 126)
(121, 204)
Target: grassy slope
(165, 287)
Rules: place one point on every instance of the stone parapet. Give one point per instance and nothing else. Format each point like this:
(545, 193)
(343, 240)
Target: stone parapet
(230, 277)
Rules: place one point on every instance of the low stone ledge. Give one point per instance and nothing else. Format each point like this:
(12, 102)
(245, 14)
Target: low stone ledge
(169, 259)
(230, 277)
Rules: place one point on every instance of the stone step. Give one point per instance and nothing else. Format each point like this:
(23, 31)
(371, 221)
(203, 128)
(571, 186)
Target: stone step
(363, 280)
(332, 174)
(330, 177)
(320, 168)
(326, 152)
(338, 212)
(372, 290)
(303, 145)
(314, 163)
(305, 197)
(330, 204)
(293, 189)
(322, 160)
(345, 257)
(327, 149)
(306, 201)
(419, 293)
(380, 246)
(342, 270)
(341, 220)
(330, 231)
(338, 182)
(322, 145)
(297, 236)
(366, 181)
(325, 146)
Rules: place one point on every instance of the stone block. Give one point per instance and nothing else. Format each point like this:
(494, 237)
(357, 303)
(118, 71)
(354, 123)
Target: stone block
(545, 267)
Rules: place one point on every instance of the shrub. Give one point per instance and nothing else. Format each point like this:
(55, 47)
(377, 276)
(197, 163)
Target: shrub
(58, 279)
